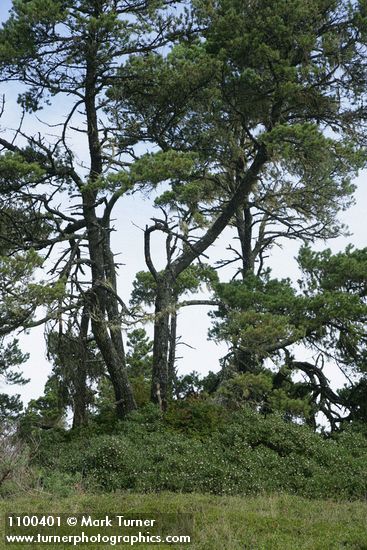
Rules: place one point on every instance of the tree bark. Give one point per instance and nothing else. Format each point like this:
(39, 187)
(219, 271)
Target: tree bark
(244, 361)
(105, 312)
(80, 384)
(163, 306)
(243, 223)
(172, 351)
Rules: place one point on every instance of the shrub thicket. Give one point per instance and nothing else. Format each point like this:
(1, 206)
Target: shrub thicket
(246, 454)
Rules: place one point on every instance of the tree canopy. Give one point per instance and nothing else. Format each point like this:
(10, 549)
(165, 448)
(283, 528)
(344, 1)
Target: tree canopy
(240, 118)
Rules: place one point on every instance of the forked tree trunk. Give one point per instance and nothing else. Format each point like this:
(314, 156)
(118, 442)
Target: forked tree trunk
(165, 281)
(104, 304)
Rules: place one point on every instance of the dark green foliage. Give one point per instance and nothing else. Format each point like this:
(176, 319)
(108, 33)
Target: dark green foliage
(262, 74)
(139, 354)
(188, 385)
(264, 392)
(245, 454)
(139, 364)
(355, 395)
(254, 119)
(260, 314)
(196, 416)
(19, 295)
(11, 357)
(336, 287)
(262, 318)
(10, 406)
(77, 366)
(46, 412)
(264, 314)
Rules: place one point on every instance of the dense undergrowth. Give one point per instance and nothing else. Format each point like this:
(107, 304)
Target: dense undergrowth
(199, 447)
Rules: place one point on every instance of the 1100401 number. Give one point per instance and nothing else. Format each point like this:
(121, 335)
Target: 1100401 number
(34, 521)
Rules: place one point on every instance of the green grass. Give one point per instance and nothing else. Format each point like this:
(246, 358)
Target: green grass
(225, 523)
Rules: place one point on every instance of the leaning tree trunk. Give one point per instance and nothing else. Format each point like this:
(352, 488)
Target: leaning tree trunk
(165, 282)
(101, 300)
(125, 402)
(114, 322)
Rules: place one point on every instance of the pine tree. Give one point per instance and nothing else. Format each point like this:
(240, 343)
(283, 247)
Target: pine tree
(66, 53)
(270, 94)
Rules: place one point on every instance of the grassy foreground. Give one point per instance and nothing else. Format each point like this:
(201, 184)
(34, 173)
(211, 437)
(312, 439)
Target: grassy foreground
(227, 523)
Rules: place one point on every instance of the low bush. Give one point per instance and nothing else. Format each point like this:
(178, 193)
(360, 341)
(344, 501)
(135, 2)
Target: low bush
(196, 416)
(246, 454)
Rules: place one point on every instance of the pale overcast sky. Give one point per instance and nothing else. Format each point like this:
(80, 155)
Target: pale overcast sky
(128, 242)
